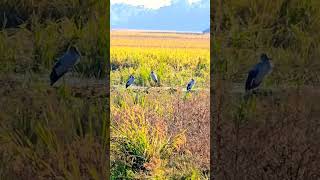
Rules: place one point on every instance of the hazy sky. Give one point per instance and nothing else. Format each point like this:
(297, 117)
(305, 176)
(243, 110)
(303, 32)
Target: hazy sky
(149, 4)
(179, 15)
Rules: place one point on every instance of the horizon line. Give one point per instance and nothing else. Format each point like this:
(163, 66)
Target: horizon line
(156, 31)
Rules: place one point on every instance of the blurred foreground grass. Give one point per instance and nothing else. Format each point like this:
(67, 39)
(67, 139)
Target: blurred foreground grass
(287, 30)
(52, 132)
(33, 35)
(272, 136)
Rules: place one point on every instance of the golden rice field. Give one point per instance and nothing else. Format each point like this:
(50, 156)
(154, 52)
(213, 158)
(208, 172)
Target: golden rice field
(176, 58)
(159, 132)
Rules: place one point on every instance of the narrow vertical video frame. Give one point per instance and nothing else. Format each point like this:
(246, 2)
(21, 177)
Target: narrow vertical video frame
(160, 73)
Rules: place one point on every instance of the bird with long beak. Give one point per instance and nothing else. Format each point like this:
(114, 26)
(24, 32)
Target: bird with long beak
(130, 81)
(190, 85)
(258, 72)
(64, 64)
(154, 77)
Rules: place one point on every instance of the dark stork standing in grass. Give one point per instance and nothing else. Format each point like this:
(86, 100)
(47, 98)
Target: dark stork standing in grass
(130, 81)
(154, 77)
(190, 85)
(64, 64)
(258, 72)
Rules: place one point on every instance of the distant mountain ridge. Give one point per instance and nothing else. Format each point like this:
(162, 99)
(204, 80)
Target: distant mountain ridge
(206, 31)
(180, 16)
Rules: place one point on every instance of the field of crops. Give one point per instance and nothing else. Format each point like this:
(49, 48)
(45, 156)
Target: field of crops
(175, 58)
(159, 132)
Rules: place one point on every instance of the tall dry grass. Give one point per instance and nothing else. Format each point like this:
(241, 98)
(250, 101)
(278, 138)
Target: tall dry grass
(159, 135)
